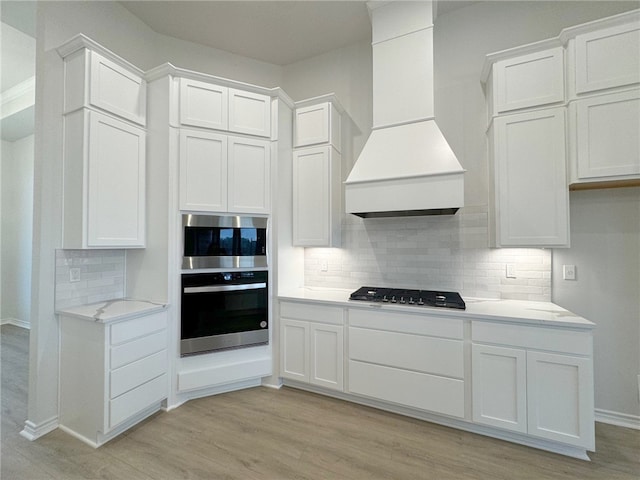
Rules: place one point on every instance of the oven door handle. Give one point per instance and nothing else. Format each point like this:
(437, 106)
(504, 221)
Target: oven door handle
(224, 288)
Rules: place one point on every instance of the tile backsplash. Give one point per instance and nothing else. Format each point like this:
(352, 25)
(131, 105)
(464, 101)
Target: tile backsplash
(437, 252)
(102, 274)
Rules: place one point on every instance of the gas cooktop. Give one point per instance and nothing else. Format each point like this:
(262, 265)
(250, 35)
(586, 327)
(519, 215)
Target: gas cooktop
(426, 298)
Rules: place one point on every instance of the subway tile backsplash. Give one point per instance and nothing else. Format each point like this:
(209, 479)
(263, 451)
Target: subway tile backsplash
(438, 252)
(102, 274)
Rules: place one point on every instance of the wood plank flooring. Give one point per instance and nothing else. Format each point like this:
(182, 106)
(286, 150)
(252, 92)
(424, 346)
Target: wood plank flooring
(263, 433)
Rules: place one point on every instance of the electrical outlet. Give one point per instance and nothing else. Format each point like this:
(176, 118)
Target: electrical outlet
(74, 274)
(568, 272)
(324, 265)
(511, 270)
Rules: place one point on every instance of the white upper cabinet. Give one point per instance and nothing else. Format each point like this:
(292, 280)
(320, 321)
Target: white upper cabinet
(316, 197)
(207, 105)
(249, 113)
(530, 188)
(528, 80)
(219, 173)
(249, 175)
(315, 124)
(203, 104)
(607, 58)
(203, 171)
(606, 130)
(92, 80)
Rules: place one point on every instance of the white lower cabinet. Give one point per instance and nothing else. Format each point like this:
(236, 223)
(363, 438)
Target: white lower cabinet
(544, 394)
(112, 375)
(312, 344)
(410, 360)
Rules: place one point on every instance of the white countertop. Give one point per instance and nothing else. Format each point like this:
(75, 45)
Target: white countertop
(113, 310)
(538, 313)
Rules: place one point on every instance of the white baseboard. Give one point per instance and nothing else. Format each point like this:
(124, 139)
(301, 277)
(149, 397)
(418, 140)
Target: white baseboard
(17, 322)
(32, 431)
(618, 419)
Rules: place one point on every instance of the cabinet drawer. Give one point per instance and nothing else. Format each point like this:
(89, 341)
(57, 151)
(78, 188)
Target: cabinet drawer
(413, 389)
(130, 376)
(421, 324)
(137, 349)
(437, 356)
(130, 329)
(553, 339)
(311, 313)
(137, 400)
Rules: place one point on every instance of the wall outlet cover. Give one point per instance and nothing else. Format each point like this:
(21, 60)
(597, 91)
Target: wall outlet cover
(74, 274)
(568, 272)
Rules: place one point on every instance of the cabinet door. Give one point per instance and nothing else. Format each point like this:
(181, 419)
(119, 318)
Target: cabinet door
(608, 58)
(203, 171)
(311, 197)
(116, 192)
(249, 176)
(560, 395)
(530, 179)
(249, 113)
(203, 104)
(499, 389)
(294, 344)
(608, 135)
(326, 351)
(529, 80)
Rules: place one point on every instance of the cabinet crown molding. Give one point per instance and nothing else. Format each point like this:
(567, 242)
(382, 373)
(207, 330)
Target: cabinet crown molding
(81, 41)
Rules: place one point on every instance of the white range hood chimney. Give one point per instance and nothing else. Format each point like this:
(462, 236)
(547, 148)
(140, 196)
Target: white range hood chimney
(406, 166)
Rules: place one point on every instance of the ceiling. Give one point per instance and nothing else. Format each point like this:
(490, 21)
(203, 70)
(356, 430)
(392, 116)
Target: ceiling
(277, 32)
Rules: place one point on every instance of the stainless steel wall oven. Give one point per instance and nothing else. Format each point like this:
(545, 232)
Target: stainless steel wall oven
(223, 310)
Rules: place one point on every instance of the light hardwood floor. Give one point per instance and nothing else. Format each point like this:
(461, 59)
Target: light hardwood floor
(263, 433)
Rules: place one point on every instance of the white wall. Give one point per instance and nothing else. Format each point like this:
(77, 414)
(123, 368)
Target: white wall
(114, 27)
(605, 248)
(17, 212)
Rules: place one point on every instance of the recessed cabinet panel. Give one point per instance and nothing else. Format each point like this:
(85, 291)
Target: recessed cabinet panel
(316, 124)
(326, 350)
(117, 90)
(499, 387)
(608, 58)
(203, 104)
(316, 197)
(531, 192)
(561, 389)
(116, 203)
(295, 349)
(529, 80)
(608, 135)
(249, 113)
(249, 175)
(203, 171)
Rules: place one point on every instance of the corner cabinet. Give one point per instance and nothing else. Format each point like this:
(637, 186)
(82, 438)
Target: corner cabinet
(104, 149)
(112, 374)
(529, 184)
(312, 344)
(534, 380)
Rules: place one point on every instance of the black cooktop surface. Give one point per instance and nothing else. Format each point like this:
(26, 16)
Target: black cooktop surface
(427, 298)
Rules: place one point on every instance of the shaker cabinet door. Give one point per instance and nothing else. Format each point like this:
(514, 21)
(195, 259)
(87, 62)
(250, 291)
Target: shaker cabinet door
(203, 171)
(116, 189)
(249, 175)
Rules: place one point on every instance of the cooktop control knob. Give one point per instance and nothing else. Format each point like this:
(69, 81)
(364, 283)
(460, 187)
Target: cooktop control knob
(393, 299)
(385, 299)
(420, 302)
(411, 301)
(402, 300)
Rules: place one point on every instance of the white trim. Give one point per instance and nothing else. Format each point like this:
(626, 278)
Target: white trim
(17, 322)
(32, 431)
(617, 418)
(26, 87)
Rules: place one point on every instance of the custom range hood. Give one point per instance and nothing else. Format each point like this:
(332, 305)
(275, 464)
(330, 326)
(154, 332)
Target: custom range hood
(406, 167)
